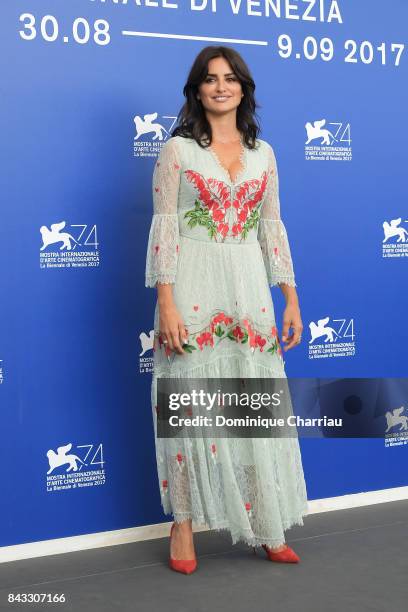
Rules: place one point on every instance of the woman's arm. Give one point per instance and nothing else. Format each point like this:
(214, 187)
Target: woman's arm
(163, 243)
(273, 238)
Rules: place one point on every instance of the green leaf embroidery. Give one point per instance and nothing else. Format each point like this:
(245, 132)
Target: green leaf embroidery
(189, 348)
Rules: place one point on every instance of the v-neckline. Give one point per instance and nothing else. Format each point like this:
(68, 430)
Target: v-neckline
(242, 159)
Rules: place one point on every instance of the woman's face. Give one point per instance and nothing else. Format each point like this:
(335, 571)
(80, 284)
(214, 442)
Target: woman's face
(221, 91)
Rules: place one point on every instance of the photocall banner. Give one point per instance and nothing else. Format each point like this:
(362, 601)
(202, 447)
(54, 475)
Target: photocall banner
(90, 92)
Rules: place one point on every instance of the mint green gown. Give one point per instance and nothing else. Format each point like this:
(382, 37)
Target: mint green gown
(222, 245)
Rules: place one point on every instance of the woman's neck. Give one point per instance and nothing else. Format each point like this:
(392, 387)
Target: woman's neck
(224, 129)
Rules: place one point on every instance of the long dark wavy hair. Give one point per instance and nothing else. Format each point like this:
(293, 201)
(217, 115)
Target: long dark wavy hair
(192, 121)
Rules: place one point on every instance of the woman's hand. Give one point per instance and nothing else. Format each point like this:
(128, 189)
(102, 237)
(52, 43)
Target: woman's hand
(172, 327)
(291, 318)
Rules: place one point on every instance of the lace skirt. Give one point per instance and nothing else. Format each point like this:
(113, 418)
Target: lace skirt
(254, 488)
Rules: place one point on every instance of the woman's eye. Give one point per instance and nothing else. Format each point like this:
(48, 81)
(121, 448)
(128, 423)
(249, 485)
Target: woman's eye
(209, 79)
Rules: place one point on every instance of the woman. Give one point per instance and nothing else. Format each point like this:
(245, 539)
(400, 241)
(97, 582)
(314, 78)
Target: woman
(216, 244)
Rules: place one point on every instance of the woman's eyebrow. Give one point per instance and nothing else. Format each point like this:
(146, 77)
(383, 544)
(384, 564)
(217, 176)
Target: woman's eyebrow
(226, 74)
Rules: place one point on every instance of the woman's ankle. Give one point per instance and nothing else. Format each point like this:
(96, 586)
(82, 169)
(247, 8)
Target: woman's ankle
(279, 548)
(184, 525)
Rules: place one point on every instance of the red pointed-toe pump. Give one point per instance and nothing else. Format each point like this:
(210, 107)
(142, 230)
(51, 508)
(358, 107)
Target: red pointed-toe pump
(185, 566)
(287, 555)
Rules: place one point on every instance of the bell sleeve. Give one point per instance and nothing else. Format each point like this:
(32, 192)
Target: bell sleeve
(163, 241)
(272, 234)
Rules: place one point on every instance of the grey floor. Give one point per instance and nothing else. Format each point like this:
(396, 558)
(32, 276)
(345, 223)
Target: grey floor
(351, 561)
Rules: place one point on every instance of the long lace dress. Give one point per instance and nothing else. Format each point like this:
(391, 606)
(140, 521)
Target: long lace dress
(222, 243)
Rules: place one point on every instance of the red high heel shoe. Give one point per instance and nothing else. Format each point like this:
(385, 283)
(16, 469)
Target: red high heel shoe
(185, 566)
(287, 555)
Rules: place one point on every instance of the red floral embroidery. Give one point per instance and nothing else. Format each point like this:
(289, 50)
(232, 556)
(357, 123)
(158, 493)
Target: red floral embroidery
(214, 200)
(224, 327)
(213, 450)
(238, 333)
(274, 332)
(204, 339)
(221, 317)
